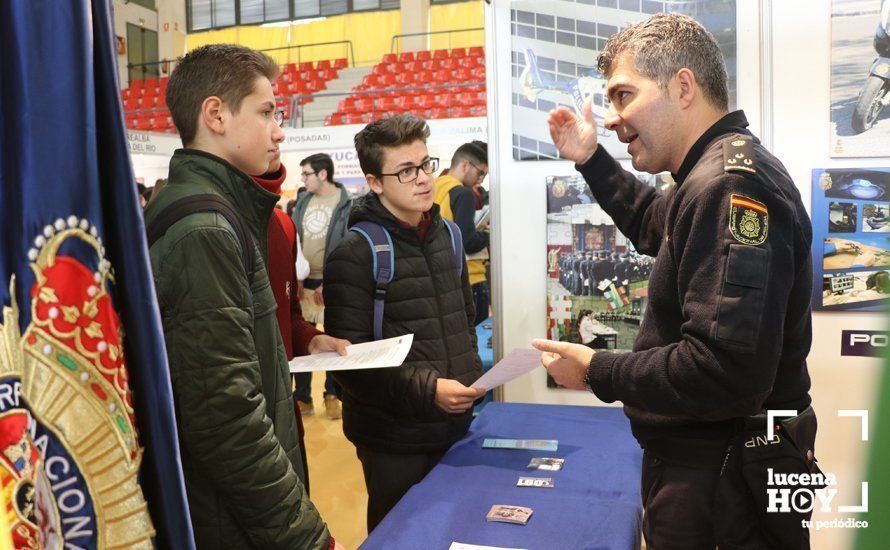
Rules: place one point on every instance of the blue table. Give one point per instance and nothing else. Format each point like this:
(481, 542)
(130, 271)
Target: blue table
(595, 503)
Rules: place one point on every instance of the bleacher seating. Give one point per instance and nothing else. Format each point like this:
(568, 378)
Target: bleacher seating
(383, 92)
(145, 102)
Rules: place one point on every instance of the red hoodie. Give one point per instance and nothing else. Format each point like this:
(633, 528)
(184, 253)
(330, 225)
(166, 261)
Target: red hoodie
(296, 332)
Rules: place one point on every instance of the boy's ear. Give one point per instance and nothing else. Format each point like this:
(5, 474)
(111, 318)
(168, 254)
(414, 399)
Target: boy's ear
(374, 183)
(323, 174)
(212, 115)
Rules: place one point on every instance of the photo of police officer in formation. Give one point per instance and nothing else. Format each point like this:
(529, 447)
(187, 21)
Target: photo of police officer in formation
(597, 282)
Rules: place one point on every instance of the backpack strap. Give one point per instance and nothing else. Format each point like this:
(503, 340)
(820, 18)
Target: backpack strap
(380, 242)
(457, 243)
(209, 202)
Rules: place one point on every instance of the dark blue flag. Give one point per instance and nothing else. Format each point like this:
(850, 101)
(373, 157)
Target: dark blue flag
(89, 455)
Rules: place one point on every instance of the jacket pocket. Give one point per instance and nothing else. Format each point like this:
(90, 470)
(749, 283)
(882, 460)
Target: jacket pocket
(740, 310)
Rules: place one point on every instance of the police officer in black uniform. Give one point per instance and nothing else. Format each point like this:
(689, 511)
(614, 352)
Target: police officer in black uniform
(727, 329)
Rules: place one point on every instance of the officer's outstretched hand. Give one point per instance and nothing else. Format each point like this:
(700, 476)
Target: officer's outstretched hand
(566, 362)
(575, 138)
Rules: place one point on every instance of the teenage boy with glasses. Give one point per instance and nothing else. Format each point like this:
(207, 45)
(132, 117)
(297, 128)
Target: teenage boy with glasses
(403, 420)
(320, 217)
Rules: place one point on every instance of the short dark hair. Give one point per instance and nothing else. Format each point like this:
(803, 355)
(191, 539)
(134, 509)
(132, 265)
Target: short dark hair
(475, 151)
(319, 162)
(226, 71)
(666, 43)
(389, 132)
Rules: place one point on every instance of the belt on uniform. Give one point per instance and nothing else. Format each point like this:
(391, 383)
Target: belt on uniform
(689, 452)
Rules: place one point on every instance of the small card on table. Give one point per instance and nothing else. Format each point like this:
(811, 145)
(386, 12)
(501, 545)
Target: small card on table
(546, 463)
(509, 514)
(526, 444)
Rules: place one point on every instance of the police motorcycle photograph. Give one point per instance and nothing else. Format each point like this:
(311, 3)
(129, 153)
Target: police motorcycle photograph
(875, 94)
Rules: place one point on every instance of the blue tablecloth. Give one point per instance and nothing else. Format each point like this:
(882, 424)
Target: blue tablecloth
(595, 503)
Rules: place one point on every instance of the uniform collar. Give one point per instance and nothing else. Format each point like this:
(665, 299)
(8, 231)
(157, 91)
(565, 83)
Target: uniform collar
(734, 122)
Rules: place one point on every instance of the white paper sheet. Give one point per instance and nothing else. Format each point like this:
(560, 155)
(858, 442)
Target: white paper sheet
(517, 363)
(370, 355)
(463, 546)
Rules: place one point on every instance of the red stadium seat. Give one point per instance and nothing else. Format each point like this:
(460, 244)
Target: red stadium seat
(437, 112)
(458, 52)
(352, 118)
(363, 105)
(305, 66)
(333, 119)
(371, 80)
(340, 63)
(143, 123)
(471, 62)
(346, 106)
(477, 51)
(406, 56)
(449, 63)
(380, 69)
(427, 102)
(462, 74)
(440, 54)
(323, 64)
(442, 75)
(478, 110)
(389, 58)
(459, 112)
(387, 80)
(423, 55)
(368, 117)
(385, 104)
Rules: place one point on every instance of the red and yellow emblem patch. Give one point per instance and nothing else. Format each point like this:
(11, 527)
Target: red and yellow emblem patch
(748, 220)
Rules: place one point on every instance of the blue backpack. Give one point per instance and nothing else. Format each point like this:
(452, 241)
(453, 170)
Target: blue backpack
(384, 261)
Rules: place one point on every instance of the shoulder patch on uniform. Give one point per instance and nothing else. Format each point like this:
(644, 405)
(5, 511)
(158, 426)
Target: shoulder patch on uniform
(738, 155)
(748, 219)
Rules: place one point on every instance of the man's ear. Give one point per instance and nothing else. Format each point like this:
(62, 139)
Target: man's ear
(323, 174)
(212, 114)
(374, 183)
(687, 87)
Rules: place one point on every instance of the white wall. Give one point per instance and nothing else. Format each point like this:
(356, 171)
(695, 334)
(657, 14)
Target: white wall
(800, 138)
(169, 21)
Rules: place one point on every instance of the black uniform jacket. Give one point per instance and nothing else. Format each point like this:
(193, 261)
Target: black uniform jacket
(728, 327)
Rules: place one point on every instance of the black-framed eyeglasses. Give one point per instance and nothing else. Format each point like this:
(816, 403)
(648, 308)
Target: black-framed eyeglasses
(410, 173)
(305, 175)
(482, 173)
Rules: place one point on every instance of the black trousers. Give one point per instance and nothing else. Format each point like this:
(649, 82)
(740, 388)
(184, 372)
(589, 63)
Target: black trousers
(388, 476)
(678, 505)
(482, 301)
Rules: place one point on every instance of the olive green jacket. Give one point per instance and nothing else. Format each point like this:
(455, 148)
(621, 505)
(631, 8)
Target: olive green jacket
(231, 384)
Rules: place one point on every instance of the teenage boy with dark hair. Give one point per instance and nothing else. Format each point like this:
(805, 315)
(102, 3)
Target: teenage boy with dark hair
(457, 201)
(231, 385)
(403, 420)
(320, 216)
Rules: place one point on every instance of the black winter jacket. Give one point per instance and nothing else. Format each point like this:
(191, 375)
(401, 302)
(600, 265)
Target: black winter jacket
(394, 410)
